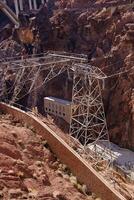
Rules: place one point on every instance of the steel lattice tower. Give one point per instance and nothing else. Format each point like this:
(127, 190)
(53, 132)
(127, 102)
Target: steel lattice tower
(88, 122)
(88, 126)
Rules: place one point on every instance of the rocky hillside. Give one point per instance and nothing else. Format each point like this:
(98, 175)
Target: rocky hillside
(104, 30)
(29, 170)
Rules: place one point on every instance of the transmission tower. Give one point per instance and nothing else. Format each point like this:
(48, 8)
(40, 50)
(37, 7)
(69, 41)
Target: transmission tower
(88, 122)
(88, 126)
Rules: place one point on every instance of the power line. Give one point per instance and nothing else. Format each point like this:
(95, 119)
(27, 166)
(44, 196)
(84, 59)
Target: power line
(108, 76)
(119, 73)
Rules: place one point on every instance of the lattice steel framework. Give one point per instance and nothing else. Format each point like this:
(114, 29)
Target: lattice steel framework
(88, 128)
(88, 122)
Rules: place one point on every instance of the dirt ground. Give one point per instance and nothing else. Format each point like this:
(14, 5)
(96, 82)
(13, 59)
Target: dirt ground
(28, 169)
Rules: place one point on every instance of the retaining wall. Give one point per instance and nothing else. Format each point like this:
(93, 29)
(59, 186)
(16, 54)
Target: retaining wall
(84, 172)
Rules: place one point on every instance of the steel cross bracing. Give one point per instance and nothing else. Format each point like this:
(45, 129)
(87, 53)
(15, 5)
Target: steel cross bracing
(53, 64)
(88, 123)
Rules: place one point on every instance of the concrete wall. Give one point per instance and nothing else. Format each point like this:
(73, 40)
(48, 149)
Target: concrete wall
(57, 108)
(84, 172)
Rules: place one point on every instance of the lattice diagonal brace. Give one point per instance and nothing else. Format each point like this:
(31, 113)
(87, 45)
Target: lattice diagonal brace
(88, 122)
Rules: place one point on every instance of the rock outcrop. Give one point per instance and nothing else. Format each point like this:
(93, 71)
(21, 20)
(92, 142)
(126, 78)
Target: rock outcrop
(28, 170)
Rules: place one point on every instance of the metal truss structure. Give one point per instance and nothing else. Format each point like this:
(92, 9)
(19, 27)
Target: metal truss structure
(88, 122)
(88, 127)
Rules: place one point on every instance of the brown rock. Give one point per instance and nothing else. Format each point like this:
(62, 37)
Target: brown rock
(15, 193)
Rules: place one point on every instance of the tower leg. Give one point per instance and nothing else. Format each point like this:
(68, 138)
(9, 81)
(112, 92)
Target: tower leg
(30, 4)
(16, 7)
(35, 4)
(21, 4)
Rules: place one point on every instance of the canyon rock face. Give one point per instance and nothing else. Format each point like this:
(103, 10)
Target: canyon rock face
(104, 30)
